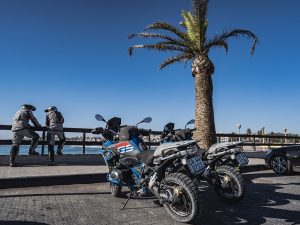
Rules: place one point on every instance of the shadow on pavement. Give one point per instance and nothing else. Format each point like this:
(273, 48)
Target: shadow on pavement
(262, 203)
(45, 163)
(268, 175)
(53, 194)
(52, 180)
(15, 222)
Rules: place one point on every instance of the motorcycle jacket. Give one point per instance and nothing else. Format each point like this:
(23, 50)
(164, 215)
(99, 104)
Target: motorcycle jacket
(22, 118)
(54, 121)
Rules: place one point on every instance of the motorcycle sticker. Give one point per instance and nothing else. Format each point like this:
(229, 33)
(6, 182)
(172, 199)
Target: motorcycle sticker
(124, 147)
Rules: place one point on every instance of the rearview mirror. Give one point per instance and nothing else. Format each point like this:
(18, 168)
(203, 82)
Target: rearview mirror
(100, 118)
(146, 120)
(190, 122)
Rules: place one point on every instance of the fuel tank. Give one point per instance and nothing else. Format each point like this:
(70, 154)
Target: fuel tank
(127, 151)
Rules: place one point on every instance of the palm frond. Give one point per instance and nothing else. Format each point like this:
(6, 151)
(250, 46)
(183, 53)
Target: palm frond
(196, 8)
(150, 35)
(168, 27)
(235, 34)
(219, 44)
(200, 9)
(184, 57)
(203, 8)
(160, 46)
(202, 31)
(156, 35)
(192, 27)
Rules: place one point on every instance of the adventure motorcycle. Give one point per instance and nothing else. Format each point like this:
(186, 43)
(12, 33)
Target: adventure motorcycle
(222, 163)
(142, 171)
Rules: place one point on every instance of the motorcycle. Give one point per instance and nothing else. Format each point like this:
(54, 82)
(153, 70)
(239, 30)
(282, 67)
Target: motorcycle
(144, 171)
(222, 163)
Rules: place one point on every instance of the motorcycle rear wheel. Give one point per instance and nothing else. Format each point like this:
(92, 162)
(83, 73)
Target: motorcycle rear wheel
(230, 186)
(190, 207)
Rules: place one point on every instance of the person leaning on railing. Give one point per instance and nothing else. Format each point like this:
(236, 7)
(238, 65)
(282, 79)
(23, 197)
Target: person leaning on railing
(21, 128)
(54, 123)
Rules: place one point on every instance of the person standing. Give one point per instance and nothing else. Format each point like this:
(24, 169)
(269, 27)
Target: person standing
(54, 122)
(21, 128)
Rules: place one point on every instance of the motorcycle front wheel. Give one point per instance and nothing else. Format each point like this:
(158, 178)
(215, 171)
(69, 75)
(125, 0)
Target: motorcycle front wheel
(188, 205)
(229, 185)
(115, 189)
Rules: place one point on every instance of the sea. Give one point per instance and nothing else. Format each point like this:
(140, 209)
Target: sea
(5, 150)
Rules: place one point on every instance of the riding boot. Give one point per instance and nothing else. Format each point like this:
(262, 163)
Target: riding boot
(60, 146)
(51, 155)
(33, 146)
(13, 152)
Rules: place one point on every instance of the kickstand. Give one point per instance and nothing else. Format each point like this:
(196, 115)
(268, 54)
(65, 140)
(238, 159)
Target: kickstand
(130, 194)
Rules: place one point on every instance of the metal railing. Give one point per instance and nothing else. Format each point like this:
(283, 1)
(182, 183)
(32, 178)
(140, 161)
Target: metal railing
(249, 140)
(43, 141)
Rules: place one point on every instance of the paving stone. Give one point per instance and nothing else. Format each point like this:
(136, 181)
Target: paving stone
(274, 202)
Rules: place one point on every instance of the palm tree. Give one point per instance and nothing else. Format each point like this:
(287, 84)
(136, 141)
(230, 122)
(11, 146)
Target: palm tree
(192, 44)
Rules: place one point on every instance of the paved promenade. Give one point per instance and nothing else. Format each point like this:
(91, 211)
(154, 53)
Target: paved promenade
(270, 200)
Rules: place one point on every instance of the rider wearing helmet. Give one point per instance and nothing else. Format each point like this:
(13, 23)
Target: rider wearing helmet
(54, 122)
(21, 128)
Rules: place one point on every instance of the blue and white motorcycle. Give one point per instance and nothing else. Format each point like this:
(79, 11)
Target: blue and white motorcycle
(142, 170)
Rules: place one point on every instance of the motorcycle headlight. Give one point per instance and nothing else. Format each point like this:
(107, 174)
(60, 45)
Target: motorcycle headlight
(116, 175)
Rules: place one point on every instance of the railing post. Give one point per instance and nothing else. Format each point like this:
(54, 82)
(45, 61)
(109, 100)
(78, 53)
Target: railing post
(254, 146)
(149, 139)
(269, 141)
(43, 140)
(83, 143)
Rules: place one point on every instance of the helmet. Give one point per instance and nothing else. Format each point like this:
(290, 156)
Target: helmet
(29, 107)
(51, 108)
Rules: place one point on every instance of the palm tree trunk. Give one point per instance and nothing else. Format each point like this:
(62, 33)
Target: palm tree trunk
(203, 69)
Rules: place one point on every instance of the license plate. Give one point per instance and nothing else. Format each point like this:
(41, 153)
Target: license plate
(242, 159)
(195, 164)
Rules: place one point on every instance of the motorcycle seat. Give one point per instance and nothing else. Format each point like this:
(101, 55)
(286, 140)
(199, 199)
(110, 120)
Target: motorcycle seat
(146, 157)
(169, 148)
(215, 148)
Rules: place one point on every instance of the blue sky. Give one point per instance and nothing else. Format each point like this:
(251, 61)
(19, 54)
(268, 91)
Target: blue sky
(73, 54)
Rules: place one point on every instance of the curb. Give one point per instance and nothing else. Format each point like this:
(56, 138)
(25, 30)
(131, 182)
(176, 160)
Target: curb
(79, 159)
(21, 182)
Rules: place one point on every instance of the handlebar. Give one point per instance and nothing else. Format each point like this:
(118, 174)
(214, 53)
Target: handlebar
(97, 130)
(145, 132)
(100, 130)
